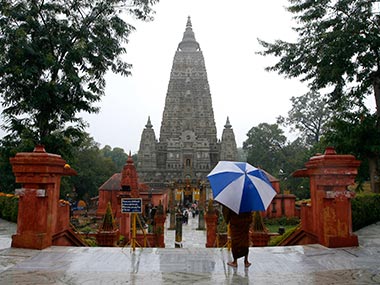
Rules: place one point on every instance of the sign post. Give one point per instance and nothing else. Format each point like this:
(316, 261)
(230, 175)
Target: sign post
(132, 206)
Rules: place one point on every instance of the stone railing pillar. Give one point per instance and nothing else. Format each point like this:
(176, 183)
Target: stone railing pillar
(329, 214)
(40, 174)
(178, 230)
(159, 230)
(211, 224)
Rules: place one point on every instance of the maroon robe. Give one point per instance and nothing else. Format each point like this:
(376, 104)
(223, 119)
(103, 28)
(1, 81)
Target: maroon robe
(239, 230)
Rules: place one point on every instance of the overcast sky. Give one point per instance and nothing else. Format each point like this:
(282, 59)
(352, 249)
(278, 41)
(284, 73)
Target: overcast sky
(227, 32)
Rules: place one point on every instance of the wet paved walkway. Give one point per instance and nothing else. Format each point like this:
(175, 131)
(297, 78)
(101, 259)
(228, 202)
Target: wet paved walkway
(191, 237)
(311, 264)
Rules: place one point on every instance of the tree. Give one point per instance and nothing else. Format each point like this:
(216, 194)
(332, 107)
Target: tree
(117, 154)
(357, 135)
(309, 115)
(54, 56)
(264, 147)
(268, 148)
(9, 147)
(338, 49)
(93, 169)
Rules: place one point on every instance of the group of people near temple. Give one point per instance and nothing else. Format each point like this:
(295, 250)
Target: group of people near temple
(191, 210)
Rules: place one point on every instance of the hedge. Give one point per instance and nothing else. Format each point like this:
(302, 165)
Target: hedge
(365, 210)
(8, 207)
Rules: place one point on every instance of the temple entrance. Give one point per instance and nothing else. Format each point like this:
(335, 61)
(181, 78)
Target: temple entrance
(187, 193)
(188, 197)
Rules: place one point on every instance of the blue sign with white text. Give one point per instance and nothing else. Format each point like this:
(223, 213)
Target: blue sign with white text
(131, 205)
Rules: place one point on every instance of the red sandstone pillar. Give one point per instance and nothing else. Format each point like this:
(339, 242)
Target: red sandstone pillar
(330, 210)
(159, 230)
(129, 186)
(211, 224)
(39, 173)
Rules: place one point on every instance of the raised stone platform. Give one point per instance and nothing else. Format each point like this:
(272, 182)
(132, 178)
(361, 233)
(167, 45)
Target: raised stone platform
(312, 264)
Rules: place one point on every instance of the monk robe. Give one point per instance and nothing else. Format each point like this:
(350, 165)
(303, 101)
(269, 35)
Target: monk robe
(239, 230)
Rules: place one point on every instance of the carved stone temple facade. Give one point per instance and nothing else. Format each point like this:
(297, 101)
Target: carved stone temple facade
(188, 147)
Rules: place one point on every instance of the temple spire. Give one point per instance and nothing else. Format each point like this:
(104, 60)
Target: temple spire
(228, 125)
(188, 42)
(148, 124)
(188, 24)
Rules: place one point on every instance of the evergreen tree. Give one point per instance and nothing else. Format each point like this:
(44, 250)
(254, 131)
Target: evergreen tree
(54, 56)
(338, 49)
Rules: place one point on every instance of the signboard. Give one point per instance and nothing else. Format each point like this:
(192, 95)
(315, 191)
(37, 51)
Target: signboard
(131, 205)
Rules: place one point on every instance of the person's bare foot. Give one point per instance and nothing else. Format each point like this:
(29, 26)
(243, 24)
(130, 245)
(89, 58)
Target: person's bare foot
(247, 264)
(232, 263)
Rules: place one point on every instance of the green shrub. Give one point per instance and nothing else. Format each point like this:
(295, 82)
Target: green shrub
(8, 207)
(365, 210)
(91, 242)
(283, 221)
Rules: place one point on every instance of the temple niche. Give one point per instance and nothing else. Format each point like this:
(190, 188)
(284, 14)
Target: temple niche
(187, 148)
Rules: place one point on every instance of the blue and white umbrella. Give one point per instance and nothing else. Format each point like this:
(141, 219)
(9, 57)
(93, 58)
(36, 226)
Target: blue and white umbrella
(241, 186)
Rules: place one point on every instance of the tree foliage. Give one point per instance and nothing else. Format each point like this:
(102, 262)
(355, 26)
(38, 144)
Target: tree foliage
(93, 170)
(264, 147)
(337, 50)
(54, 55)
(357, 134)
(92, 165)
(309, 115)
(337, 47)
(117, 155)
(268, 148)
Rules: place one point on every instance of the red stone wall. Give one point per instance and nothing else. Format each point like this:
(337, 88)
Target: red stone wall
(63, 217)
(106, 196)
(282, 205)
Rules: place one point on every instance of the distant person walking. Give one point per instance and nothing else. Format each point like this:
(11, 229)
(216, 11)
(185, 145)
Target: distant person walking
(239, 229)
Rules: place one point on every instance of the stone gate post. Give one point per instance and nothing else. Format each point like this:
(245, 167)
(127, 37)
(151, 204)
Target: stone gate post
(328, 218)
(40, 174)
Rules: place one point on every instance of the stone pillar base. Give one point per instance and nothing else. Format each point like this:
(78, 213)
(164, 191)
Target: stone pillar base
(350, 241)
(107, 239)
(31, 240)
(259, 239)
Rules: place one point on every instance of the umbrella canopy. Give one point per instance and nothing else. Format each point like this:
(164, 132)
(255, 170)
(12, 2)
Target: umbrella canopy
(241, 186)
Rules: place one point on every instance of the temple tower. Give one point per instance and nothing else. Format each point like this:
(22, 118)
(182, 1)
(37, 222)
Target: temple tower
(188, 147)
(228, 149)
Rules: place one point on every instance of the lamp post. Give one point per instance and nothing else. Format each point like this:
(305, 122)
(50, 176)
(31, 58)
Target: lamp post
(178, 230)
(282, 175)
(172, 206)
(201, 220)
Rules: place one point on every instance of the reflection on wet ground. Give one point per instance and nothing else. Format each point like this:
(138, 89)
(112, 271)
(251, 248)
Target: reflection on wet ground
(311, 264)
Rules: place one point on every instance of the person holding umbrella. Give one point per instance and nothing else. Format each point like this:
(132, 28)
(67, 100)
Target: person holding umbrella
(239, 230)
(241, 188)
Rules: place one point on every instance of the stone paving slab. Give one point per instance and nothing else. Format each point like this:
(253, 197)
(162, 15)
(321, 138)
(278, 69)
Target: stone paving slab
(311, 264)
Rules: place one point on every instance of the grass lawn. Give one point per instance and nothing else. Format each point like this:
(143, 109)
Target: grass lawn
(273, 227)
